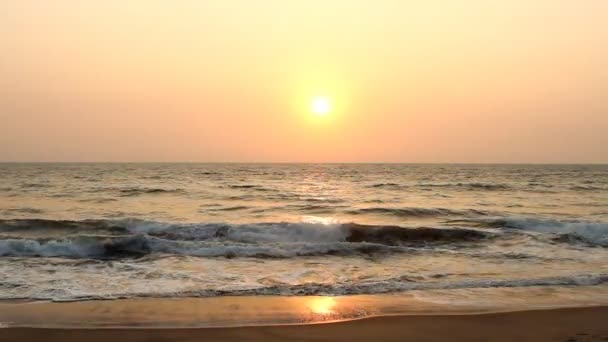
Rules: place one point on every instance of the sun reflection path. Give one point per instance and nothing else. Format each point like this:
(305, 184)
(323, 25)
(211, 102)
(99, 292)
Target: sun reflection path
(320, 220)
(326, 309)
(323, 306)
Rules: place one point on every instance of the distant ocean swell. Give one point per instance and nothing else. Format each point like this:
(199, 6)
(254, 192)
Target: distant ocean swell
(584, 186)
(458, 185)
(418, 212)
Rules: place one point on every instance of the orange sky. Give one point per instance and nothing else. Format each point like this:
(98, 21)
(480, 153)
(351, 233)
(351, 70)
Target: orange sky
(231, 80)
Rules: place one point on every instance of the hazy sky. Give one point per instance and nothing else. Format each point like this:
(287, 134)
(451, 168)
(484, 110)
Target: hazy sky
(230, 80)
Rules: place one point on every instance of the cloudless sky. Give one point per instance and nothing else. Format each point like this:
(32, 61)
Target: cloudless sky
(232, 80)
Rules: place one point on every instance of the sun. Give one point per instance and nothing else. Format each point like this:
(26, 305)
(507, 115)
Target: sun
(320, 105)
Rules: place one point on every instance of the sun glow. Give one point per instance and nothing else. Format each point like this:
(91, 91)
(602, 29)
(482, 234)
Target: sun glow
(320, 105)
(322, 306)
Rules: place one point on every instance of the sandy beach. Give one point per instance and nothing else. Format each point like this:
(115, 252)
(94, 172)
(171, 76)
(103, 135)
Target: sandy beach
(575, 324)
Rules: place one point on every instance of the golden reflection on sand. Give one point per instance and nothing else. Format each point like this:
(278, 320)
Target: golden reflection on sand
(322, 305)
(270, 310)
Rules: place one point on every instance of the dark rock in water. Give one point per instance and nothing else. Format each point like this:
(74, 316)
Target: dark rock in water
(395, 235)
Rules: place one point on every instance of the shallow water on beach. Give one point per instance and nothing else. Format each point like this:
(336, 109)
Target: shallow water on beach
(72, 232)
(227, 311)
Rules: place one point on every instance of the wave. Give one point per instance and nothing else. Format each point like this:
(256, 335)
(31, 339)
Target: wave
(24, 210)
(418, 212)
(402, 284)
(391, 285)
(243, 186)
(459, 185)
(391, 186)
(233, 208)
(142, 191)
(250, 187)
(35, 185)
(31, 225)
(271, 240)
(395, 235)
(467, 186)
(320, 199)
(591, 232)
(586, 188)
(316, 207)
(142, 245)
(594, 233)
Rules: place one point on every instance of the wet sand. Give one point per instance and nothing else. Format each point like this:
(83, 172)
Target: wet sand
(572, 324)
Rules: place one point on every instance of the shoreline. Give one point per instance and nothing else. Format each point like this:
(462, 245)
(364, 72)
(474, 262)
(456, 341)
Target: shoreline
(4, 326)
(560, 324)
(271, 311)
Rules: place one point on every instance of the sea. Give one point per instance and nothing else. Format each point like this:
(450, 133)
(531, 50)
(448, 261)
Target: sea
(76, 232)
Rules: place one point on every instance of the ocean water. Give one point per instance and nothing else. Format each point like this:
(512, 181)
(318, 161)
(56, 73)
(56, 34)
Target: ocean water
(73, 232)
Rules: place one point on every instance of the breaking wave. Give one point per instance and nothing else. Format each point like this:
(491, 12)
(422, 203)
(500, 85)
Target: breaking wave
(141, 245)
(594, 233)
(133, 238)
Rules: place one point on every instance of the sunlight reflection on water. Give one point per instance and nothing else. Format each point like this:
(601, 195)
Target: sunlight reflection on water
(320, 220)
(322, 305)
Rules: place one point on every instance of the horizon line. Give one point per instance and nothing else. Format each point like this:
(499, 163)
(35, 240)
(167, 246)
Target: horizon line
(306, 162)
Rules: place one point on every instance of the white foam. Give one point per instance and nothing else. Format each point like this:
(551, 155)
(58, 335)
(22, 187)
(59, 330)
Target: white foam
(259, 232)
(19, 247)
(143, 244)
(593, 232)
